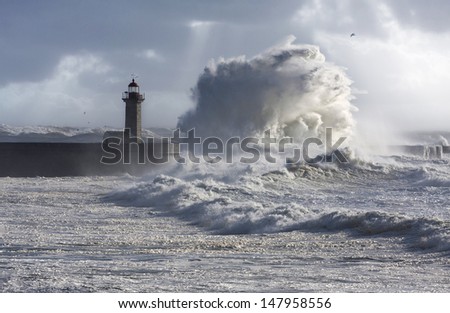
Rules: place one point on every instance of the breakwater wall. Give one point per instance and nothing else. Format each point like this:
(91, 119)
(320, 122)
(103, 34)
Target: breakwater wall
(21, 159)
(425, 151)
(18, 159)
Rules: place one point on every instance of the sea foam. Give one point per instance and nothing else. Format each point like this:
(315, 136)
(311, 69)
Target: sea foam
(289, 89)
(281, 201)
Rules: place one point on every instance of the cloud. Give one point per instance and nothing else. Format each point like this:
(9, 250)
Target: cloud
(429, 16)
(398, 55)
(337, 17)
(66, 97)
(403, 69)
(151, 54)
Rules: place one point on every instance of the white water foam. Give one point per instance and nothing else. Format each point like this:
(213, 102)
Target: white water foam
(289, 89)
(305, 198)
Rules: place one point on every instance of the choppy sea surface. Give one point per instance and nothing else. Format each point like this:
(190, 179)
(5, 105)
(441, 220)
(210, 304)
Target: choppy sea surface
(378, 224)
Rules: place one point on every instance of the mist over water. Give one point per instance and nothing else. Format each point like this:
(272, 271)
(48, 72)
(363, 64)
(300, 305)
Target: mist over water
(289, 89)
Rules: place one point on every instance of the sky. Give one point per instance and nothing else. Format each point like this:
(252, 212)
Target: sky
(66, 63)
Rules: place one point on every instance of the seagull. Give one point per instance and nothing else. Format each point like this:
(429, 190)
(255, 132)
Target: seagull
(352, 34)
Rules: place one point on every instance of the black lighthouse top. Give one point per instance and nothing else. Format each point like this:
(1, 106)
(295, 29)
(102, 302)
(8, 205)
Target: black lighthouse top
(133, 92)
(133, 87)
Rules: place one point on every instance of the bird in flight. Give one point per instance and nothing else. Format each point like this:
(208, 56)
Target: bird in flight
(352, 34)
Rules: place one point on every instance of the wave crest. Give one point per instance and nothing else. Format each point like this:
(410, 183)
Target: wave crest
(241, 209)
(289, 89)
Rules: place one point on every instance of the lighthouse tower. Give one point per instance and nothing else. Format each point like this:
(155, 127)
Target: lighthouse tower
(133, 100)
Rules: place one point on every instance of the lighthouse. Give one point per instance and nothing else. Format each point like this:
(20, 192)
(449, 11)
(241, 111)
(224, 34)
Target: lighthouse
(133, 100)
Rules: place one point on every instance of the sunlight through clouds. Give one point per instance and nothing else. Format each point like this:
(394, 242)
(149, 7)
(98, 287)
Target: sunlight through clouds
(397, 59)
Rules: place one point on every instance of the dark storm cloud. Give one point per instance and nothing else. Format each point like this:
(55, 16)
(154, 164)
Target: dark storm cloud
(168, 43)
(35, 34)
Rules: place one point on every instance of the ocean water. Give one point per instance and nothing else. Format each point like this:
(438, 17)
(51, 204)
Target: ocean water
(379, 223)
(375, 224)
